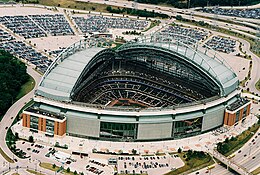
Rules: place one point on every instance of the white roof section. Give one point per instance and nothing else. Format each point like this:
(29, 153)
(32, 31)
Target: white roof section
(218, 71)
(59, 82)
(61, 77)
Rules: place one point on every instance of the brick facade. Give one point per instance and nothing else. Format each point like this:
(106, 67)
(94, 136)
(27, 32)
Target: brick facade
(230, 118)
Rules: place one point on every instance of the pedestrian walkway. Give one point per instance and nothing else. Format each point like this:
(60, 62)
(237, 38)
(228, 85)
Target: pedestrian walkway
(203, 142)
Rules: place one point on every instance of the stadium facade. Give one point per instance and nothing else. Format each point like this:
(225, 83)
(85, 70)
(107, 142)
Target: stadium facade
(154, 88)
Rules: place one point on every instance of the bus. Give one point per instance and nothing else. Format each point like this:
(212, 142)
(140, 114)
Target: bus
(112, 161)
(231, 156)
(211, 167)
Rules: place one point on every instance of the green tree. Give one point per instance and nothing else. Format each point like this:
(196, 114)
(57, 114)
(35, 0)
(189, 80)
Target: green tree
(134, 151)
(31, 139)
(54, 166)
(16, 136)
(68, 170)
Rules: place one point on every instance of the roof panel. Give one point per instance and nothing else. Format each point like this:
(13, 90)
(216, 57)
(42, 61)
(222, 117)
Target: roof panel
(60, 81)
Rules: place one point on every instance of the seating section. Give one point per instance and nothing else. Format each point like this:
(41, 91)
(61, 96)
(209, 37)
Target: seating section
(145, 87)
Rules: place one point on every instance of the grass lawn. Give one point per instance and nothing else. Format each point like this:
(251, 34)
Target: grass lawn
(132, 174)
(15, 174)
(48, 166)
(34, 172)
(75, 5)
(192, 165)
(256, 171)
(257, 85)
(243, 82)
(26, 88)
(153, 24)
(233, 146)
(8, 159)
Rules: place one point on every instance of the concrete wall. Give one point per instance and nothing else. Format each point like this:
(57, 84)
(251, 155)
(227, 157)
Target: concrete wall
(83, 126)
(154, 131)
(213, 118)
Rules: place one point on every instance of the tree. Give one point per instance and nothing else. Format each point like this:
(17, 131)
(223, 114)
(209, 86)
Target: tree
(179, 17)
(30, 139)
(68, 170)
(12, 76)
(75, 172)
(109, 8)
(179, 150)
(54, 166)
(16, 136)
(134, 151)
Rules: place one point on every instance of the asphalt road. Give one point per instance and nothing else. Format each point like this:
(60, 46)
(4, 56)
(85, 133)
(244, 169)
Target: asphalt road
(8, 120)
(245, 161)
(174, 11)
(245, 155)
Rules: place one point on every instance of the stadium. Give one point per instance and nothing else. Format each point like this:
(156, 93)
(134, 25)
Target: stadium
(153, 88)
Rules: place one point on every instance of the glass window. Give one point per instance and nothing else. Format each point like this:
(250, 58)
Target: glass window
(118, 130)
(186, 128)
(237, 116)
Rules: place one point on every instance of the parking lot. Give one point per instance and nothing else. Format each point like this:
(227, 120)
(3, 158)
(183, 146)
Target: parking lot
(102, 24)
(5, 36)
(243, 13)
(25, 52)
(221, 44)
(195, 35)
(152, 165)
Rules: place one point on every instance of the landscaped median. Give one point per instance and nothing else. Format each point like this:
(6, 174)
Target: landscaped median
(49, 166)
(256, 171)
(257, 85)
(34, 172)
(53, 167)
(8, 159)
(194, 160)
(233, 144)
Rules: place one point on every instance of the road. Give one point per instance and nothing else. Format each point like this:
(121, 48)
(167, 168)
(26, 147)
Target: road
(255, 73)
(217, 170)
(245, 161)
(249, 155)
(7, 122)
(185, 13)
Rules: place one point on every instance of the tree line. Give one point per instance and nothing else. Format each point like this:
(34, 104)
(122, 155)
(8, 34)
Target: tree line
(141, 13)
(12, 76)
(201, 3)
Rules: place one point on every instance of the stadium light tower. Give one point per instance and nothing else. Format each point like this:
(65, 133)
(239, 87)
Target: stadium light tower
(188, 4)
(257, 40)
(214, 22)
(135, 5)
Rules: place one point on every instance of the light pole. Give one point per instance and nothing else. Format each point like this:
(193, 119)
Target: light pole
(250, 148)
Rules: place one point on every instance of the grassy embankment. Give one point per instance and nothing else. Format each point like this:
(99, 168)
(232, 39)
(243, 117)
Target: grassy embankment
(192, 164)
(230, 146)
